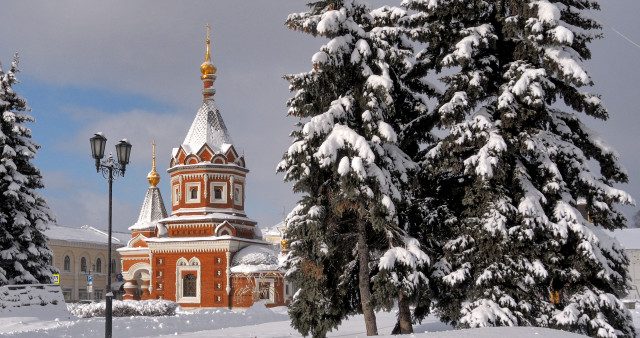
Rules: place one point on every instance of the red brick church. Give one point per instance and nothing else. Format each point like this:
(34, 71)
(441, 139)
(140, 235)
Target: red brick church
(207, 253)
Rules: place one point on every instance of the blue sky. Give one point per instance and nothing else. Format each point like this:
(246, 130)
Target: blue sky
(131, 70)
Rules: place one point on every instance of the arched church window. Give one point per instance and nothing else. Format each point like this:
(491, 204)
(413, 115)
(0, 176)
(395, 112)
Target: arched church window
(83, 264)
(67, 263)
(194, 193)
(99, 265)
(189, 285)
(217, 193)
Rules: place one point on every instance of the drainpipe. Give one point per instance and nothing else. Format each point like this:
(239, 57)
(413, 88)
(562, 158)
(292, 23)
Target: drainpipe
(229, 278)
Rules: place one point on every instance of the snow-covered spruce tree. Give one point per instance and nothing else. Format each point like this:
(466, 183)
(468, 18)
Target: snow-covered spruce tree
(24, 214)
(519, 252)
(406, 277)
(346, 160)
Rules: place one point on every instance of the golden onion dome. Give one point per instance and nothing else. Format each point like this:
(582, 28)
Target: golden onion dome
(207, 68)
(153, 176)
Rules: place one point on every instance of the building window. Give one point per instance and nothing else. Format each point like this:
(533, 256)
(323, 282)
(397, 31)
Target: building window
(218, 260)
(218, 286)
(67, 263)
(159, 274)
(237, 194)
(189, 285)
(264, 291)
(194, 193)
(97, 294)
(67, 294)
(188, 280)
(99, 265)
(83, 265)
(219, 192)
(192, 190)
(218, 299)
(219, 273)
(82, 294)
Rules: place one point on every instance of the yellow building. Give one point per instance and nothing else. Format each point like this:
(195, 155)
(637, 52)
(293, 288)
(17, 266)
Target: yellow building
(274, 234)
(82, 252)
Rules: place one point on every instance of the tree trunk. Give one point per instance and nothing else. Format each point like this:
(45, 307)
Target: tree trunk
(404, 315)
(363, 281)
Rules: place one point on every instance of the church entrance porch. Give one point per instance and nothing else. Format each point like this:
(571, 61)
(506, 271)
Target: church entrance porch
(137, 284)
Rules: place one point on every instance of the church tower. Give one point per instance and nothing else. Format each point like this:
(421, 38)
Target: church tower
(207, 173)
(153, 208)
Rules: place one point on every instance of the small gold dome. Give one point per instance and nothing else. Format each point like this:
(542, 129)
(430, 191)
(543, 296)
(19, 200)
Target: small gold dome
(153, 176)
(207, 68)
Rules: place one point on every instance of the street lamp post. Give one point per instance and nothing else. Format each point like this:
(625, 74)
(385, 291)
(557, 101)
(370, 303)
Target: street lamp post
(110, 170)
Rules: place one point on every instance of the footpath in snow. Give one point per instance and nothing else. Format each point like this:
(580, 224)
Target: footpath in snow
(257, 321)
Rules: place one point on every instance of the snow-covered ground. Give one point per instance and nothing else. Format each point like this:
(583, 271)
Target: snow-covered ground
(257, 321)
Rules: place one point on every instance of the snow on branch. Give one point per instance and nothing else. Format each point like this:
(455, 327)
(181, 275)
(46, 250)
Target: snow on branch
(466, 48)
(487, 157)
(340, 137)
(486, 312)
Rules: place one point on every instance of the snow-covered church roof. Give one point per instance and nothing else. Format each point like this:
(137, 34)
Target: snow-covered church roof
(254, 258)
(153, 208)
(152, 211)
(207, 127)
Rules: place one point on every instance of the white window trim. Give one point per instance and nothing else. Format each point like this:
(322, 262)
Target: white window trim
(237, 198)
(272, 290)
(222, 185)
(187, 189)
(187, 268)
(176, 194)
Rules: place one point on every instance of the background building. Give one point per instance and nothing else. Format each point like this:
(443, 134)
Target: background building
(630, 240)
(80, 252)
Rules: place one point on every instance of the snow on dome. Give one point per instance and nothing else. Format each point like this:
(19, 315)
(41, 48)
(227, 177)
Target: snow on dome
(254, 258)
(253, 255)
(151, 212)
(207, 127)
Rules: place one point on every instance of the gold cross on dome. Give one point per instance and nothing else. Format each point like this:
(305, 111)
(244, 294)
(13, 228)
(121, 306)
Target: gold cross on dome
(154, 153)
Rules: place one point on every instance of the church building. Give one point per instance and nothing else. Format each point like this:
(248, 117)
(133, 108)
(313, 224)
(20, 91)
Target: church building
(207, 252)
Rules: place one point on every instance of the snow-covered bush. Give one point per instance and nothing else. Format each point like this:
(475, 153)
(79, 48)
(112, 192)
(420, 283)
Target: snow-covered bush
(126, 308)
